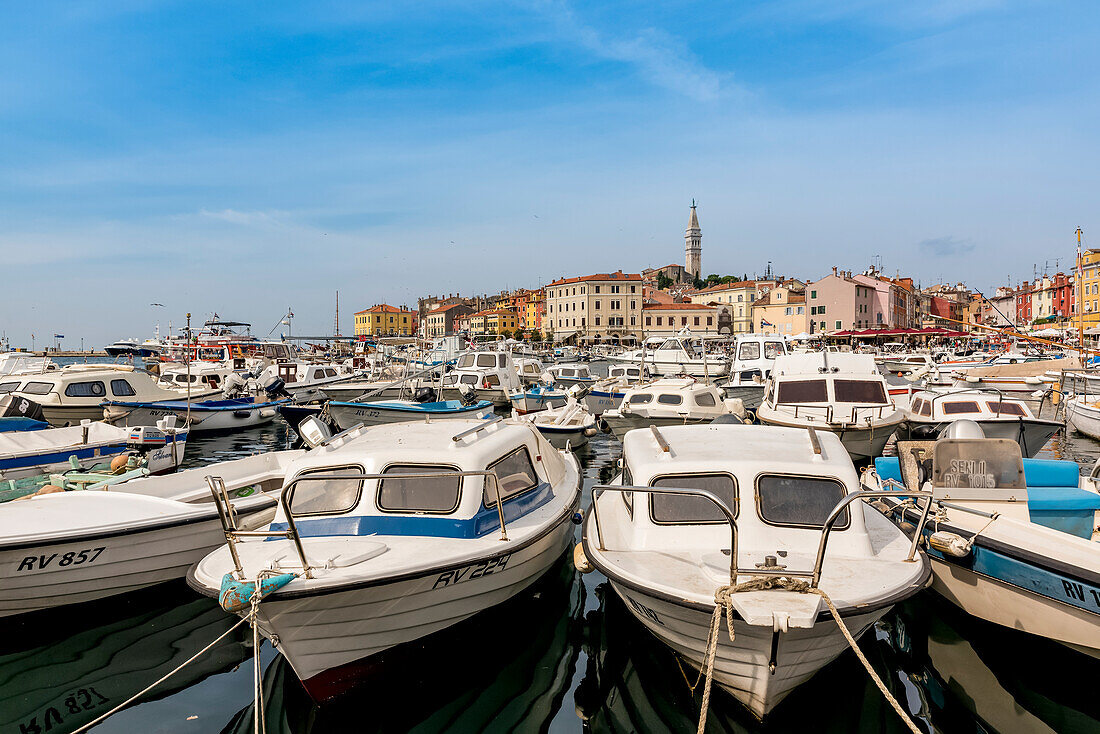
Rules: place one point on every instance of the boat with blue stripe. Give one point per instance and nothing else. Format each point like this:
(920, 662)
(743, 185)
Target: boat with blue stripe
(538, 397)
(1013, 541)
(348, 414)
(392, 533)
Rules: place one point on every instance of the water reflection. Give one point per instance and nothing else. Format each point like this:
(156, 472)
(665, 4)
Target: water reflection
(506, 669)
(61, 669)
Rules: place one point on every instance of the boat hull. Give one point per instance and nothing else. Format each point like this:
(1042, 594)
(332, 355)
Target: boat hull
(1031, 435)
(371, 414)
(35, 576)
(742, 667)
(598, 401)
(201, 421)
(861, 443)
(160, 460)
(327, 637)
(620, 425)
(750, 395)
(497, 396)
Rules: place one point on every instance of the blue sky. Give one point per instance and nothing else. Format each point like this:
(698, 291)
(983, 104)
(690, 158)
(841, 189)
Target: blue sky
(246, 157)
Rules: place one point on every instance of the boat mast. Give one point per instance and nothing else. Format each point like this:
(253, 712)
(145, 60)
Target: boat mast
(1080, 299)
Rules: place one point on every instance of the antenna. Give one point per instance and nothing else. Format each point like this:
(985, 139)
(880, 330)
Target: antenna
(336, 326)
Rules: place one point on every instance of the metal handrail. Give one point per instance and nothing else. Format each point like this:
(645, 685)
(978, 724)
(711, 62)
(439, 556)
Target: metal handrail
(232, 534)
(713, 498)
(735, 570)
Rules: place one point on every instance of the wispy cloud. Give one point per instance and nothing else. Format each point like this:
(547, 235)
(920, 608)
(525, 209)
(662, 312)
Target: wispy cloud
(948, 246)
(658, 57)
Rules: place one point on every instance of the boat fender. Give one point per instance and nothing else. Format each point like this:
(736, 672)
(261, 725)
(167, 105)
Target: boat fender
(881, 506)
(268, 412)
(48, 489)
(119, 463)
(236, 595)
(241, 413)
(590, 431)
(577, 518)
(950, 544)
(580, 560)
(603, 426)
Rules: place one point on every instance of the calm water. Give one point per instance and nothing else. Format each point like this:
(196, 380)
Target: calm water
(564, 657)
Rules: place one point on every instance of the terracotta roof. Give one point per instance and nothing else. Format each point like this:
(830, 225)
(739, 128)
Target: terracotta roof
(494, 311)
(729, 286)
(598, 276)
(676, 307)
(766, 299)
(383, 308)
(448, 307)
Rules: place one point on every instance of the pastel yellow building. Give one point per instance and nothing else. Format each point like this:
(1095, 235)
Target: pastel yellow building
(1089, 268)
(493, 321)
(384, 320)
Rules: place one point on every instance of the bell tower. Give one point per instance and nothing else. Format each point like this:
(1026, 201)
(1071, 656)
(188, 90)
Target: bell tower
(693, 245)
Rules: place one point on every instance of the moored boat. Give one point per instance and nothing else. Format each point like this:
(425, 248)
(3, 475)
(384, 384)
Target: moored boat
(669, 401)
(930, 412)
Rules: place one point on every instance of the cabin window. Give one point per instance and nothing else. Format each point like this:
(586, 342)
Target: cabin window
(37, 388)
(437, 494)
(486, 360)
(492, 381)
(960, 406)
(6, 387)
(803, 391)
(705, 399)
(466, 361)
(926, 409)
(122, 388)
(669, 509)
(803, 502)
(322, 495)
(670, 399)
(917, 404)
(330, 372)
(318, 374)
(628, 497)
(749, 350)
(469, 380)
(640, 398)
(515, 475)
(859, 391)
(773, 350)
(996, 408)
(502, 360)
(92, 389)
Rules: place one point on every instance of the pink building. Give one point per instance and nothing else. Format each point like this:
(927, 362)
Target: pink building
(838, 301)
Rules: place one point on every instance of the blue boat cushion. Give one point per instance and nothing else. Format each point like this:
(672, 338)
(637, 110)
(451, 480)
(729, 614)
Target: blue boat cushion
(888, 467)
(1051, 473)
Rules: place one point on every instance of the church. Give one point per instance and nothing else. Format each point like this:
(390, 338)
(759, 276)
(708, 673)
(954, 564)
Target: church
(693, 255)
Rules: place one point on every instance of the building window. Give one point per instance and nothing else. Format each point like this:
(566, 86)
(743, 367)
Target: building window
(597, 289)
(838, 324)
(597, 304)
(696, 321)
(710, 320)
(632, 291)
(648, 320)
(597, 321)
(633, 304)
(683, 321)
(813, 294)
(659, 320)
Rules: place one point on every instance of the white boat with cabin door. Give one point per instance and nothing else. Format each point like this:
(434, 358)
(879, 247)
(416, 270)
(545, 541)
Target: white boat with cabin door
(71, 547)
(77, 392)
(930, 412)
(609, 392)
(491, 374)
(679, 355)
(530, 369)
(753, 358)
(666, 554)
(669, 401)
(572, 373)
(841, 393)
(396, 559)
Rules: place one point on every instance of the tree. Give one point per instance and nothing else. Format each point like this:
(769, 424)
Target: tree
(506, 333)
(535, 336)
(698, 282)
(663, 281)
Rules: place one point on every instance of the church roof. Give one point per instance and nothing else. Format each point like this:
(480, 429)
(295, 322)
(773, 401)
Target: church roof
(694, 223)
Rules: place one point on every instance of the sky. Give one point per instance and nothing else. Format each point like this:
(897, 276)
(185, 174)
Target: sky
(247, 158)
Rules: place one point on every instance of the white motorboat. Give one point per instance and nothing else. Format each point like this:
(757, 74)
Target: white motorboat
(492, 374)
(397, 532)
(930, 412)
(699, 510)
(841, 393)
(1015, 540)
(753, 358)
(669, 401)
(530, 369)
(609, 392)
(28, 453)
(569, 426)
(679, 355)
(1083, 414)
(201, 416)
(572, 373)
(77, 392)
(538, 397)
(69, 547)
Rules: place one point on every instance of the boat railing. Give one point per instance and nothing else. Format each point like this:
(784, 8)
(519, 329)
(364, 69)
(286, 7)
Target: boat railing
(234, 534)
(736, 571)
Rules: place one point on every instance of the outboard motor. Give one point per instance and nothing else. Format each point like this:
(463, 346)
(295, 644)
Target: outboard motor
(275, 387)
(424, 395)
(234, 384)
(578, 391)
(962, 428)
(15, 406)
(467, 395)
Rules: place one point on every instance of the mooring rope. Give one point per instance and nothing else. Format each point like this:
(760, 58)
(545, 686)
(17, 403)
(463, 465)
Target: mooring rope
(722, 601)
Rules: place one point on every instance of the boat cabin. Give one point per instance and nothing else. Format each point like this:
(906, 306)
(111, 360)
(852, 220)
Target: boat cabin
(935, 407)
(627, 372)
(455, 501)
(675, 395)
(484, 370)
(572, 373)
(780, 484)
(86, 385)
(837, 387)
(753, 357)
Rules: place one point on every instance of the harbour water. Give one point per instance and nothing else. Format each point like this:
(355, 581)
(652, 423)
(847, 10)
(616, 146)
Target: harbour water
(563, 657)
